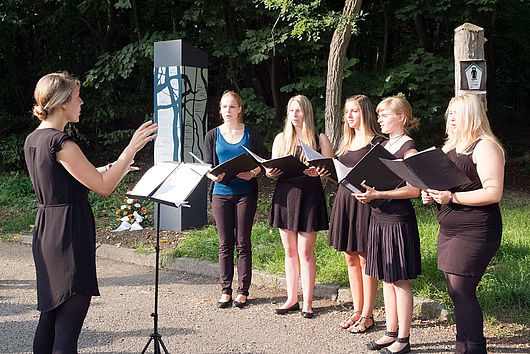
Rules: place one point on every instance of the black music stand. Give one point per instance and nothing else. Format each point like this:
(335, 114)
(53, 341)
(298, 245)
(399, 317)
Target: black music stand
(159, 185)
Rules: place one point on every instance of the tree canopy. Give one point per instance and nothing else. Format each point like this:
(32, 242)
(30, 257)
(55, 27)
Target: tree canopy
(267, 50)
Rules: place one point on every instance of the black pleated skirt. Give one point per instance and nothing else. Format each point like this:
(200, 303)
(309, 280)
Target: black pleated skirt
(393, 247)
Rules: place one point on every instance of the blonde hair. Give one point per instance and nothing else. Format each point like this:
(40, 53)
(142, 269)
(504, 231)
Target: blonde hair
(290, 141)
(399, 105)
(238, 99)
(369, 122)
(472, 123)
(51, 91)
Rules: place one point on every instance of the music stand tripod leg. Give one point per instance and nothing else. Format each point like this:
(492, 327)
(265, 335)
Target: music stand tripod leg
(155, 336)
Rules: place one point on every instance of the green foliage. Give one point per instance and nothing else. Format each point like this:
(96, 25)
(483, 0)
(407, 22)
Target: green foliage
(10, 150)
(425, 80)
(260, 115)
(16, 191)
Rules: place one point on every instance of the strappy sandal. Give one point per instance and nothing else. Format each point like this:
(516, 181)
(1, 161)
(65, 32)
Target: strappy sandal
(350, 321)
(362, 327)
(373, 345)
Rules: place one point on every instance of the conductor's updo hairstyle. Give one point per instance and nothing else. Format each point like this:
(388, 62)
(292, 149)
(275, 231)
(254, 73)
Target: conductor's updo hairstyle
(399, 105)
(51, 91)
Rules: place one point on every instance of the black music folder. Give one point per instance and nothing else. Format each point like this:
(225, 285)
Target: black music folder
(316, 159)
(373, 172)
(428, 169)
(289, 165)
(169, 182)
(240, 163)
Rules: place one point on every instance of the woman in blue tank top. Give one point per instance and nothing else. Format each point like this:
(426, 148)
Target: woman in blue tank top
(233, 202)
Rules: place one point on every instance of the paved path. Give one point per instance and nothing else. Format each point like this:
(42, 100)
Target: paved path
(189, 322)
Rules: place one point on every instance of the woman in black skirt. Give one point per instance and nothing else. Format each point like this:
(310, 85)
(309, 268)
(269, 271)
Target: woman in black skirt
(234, 202)
(64, 236)
(393, 238)
(298, 204)
(469, 215)
(349, 221)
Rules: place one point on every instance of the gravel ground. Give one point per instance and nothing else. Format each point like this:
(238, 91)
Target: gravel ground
(189, 322)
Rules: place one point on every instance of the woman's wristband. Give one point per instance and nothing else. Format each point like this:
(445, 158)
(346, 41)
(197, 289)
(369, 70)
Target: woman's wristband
(451, 198)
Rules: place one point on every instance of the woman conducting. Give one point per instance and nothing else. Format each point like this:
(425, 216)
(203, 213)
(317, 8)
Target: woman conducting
(64, 234)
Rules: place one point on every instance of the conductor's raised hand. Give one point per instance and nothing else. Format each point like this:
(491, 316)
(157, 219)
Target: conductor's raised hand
(143, 135)
(426, 197)
(217, 178)
(272, 172)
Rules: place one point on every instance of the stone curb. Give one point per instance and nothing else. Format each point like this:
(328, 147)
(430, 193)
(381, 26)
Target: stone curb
(423, 308)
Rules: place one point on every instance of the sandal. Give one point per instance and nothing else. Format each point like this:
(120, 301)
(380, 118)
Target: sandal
(362, 327)
(350, 321)
(373, 345)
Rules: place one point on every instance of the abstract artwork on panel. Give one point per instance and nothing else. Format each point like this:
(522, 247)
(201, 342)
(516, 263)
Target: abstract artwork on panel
(180, 111)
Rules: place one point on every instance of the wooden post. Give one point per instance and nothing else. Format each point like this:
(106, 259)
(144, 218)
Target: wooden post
(470, 61)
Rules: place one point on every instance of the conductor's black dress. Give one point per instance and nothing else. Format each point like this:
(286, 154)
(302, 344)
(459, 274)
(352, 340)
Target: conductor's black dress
(64, 233)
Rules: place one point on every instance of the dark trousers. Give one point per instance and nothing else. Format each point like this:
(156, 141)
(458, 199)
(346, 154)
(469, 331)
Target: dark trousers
(468, 313)
(234, 216)
(58, 329)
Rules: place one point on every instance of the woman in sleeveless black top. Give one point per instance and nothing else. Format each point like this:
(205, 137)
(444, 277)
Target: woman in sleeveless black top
(469, 215)
(393, 237)
(349, 221)
(298, 205)
(64, 234)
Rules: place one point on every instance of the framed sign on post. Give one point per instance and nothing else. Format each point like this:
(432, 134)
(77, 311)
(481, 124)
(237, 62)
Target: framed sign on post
(180, 97)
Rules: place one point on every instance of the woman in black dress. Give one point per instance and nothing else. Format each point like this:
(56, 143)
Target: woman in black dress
(393, 237)
(469, 215)
(234, 202)
(64, 232)
(298, 204)
(349, 221)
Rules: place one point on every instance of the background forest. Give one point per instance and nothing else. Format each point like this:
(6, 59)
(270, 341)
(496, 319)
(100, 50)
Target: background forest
(267, 50)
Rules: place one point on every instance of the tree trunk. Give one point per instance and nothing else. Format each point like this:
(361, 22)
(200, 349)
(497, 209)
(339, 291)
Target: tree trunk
(385, 36)
(337, 55)
(136, 20)
(421, 32)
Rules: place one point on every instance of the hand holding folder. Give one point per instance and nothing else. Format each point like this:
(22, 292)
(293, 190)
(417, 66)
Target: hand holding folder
(229, 169)
(289, 165)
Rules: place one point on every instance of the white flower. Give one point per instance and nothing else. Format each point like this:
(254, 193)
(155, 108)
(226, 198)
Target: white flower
(129, 201)
(137, 205)
(123, 207)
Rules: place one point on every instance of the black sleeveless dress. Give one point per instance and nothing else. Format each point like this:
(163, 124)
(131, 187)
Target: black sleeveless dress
(350, 219)
(299, 204)
(64, 234)
(469, 235)
(393, 237)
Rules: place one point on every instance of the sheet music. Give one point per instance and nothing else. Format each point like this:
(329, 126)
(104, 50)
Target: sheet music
(341, 169)
(256, 157)
(153, 177)
(179, 185)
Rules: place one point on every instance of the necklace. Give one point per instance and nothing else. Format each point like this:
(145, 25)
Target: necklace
(393, 140)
